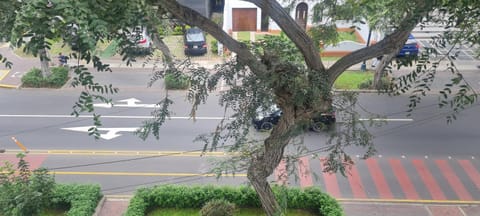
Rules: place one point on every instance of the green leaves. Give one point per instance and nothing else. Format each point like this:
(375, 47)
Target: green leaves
(26, 192)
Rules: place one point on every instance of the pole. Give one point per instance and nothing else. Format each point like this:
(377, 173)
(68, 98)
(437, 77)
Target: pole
(364, 64)
(19, 144)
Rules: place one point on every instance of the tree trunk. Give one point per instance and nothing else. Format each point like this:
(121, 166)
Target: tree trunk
(380, 71)
(44, 60)
(264, 163)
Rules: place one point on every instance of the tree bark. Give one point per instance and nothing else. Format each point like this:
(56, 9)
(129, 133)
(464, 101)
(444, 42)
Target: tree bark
(264, 163)
(44, 60)
(380, 70)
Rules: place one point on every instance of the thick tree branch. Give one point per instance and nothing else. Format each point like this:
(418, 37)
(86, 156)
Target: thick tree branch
(194, 18)
(390, 44)
(298, 35)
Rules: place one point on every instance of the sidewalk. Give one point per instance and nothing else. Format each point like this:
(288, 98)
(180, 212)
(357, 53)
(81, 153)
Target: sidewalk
(115, 206)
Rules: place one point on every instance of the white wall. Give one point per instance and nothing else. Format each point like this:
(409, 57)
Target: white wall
(227, 12)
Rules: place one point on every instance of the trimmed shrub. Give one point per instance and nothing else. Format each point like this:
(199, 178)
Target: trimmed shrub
(218, 208)
(34, 78)
(178, 196)
(176, 81)
(80, 200)
(58, 78)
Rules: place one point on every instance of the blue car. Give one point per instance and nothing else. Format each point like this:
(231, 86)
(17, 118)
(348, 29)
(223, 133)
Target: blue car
(410, 48)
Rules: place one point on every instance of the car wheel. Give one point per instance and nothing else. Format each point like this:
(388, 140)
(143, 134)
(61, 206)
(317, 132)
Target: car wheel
(266, 126)
(319, 126)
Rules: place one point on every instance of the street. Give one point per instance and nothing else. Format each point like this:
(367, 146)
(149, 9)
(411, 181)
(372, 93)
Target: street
(419, 156)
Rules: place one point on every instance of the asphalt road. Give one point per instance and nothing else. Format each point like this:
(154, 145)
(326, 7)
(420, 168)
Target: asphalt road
(47, 125)
(421, 148)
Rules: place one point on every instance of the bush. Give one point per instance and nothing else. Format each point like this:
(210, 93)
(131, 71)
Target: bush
(27, 193)
(34, 78)
(176, 81)
(368, 84)
(23, 192)
(80, 200)
(218, 208)
(214, 46)
(178, 196)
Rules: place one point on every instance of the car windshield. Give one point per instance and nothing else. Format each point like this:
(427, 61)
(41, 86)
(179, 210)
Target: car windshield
(195, 37)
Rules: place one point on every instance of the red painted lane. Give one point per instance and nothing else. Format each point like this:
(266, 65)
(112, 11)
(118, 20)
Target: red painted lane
(428, 180)
(378, 178)
(471, 172)
(281, 175)
(403, 179)
(304, 172)
(331, 183)
(356, 183)
(35, 161)
(453, 180)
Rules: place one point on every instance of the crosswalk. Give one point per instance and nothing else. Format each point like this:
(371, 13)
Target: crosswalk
(387, 178)
(390, 178)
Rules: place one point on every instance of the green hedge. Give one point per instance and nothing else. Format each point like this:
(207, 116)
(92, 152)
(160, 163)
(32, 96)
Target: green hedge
(177, 196)
(176, 81)
(34, 78)
(80, 200)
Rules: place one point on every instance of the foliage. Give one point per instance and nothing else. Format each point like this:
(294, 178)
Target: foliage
(214, 46)
(24, 192)
(80, 200)
(239, 212)
(178, 196)
(174, 81)
(34, 78)
(219, 207)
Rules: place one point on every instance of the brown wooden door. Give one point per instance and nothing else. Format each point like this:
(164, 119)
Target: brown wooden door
(244, 19)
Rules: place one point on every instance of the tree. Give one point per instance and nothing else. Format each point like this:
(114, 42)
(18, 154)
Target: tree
(286, 71)
(303, 90)
(24, 192)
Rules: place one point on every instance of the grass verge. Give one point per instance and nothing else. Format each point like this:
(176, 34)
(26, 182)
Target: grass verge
(352, 79)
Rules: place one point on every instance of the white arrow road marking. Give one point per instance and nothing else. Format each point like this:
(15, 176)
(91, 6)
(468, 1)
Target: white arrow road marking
(114, 117)
(111, 132)
(130, 102)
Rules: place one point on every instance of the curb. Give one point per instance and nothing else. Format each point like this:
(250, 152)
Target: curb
(99, 206)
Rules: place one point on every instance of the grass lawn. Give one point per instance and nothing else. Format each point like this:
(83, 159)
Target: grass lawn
(243, 36)
(343, 36)
(105, 50)
(241, 212)
(351, 79)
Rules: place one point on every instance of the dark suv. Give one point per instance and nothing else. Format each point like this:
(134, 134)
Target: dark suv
(194, 42)
(265, 120)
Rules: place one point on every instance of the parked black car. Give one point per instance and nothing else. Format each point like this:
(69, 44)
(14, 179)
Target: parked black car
(194, 42)
(265, 120)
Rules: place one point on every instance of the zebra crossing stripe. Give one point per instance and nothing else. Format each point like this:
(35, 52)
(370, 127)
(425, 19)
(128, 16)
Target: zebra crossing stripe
(356, 183)
(453, 180)
(472, 173)
(403, 179)
(331, 183)
(304, 172)
(377, 176)
(428, 180)
(281, 173)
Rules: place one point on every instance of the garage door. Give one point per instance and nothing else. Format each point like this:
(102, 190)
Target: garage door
(244, 19)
